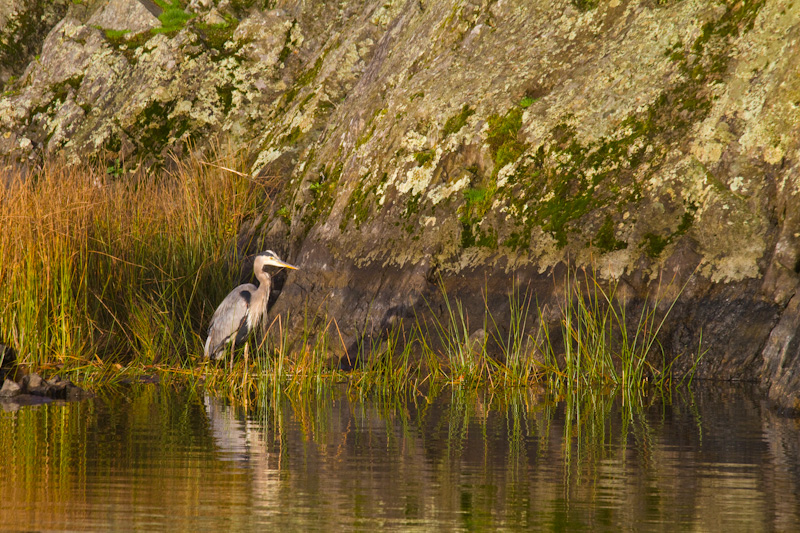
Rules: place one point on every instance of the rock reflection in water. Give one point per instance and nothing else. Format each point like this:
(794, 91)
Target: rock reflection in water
(155, 457)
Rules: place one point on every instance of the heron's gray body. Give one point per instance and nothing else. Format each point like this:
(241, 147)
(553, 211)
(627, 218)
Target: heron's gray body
(242, 309)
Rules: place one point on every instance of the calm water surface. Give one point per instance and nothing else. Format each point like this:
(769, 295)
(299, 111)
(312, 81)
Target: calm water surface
(154, 457)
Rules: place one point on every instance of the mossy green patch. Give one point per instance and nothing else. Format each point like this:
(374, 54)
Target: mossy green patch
(288, 43)
(653, 243)
(60, 92)
(306, 100)
(215, 36)
(155, 129)
(25, 31)
(475, 196)
(10, 83)
(311, 74)
(370, 127)
(116, 35)
(284, 214)
(560, 183)
(292, 137)
(243, 6)
(324, 107)
(125, 44)
(362, 201)
(304, 79)
(413, 206)
(457, 121)
(585, 5)
(503, 139)
(605, 239)
(477, 201)
(424, 157)
(225, 95)
(322, 194)
(113, 143)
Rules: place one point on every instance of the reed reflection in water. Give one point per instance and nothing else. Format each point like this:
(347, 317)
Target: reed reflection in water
(158, 457)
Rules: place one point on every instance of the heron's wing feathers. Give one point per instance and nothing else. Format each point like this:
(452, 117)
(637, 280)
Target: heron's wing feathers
(229, 317)
(233, 308)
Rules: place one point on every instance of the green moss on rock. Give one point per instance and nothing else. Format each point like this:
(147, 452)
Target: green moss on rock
(127, 45)
(304, 79)
(154, 129)
(605, 240)
(292, 137)
(477, 202)
(585, 5)
(424, 157)
(653, 243)
(24, 33)
(218, 38)
(225, 95)
(322, 194)
(503, 138)
(457, 121)
(362, 201)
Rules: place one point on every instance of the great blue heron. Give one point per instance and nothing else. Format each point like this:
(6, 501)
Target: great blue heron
(242, 309)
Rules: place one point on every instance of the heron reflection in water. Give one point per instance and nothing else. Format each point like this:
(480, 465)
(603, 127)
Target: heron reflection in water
(242, 309)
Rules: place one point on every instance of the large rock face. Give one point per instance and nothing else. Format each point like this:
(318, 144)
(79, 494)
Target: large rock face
(483, 143)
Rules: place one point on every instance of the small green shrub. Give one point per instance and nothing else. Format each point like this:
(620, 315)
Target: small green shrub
(173, 17)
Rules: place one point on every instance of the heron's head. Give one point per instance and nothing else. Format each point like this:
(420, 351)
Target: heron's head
(268, 259)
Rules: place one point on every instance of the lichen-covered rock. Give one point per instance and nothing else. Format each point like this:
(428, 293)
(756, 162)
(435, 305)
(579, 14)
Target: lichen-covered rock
(23, 25)
(484, 144)
(94, 91)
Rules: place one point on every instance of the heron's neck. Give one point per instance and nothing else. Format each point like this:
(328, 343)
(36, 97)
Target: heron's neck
(263, 281)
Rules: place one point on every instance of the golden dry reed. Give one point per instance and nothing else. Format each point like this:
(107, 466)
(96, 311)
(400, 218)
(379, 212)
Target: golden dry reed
(106, 269)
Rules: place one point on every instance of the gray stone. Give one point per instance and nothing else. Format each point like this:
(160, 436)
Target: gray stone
(10, 389)
(34, 384)
(129, 15)
(32, 380)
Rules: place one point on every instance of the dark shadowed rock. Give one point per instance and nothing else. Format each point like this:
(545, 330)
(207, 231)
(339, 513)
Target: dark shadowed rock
(34, 384)
(73, 392)
(58, 387)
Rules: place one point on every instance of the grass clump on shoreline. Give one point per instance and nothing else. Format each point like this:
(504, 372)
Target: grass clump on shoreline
(106, 276)
(595, 344)
(117, 270)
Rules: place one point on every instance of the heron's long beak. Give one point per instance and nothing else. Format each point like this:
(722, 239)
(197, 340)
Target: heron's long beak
(287, 265)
